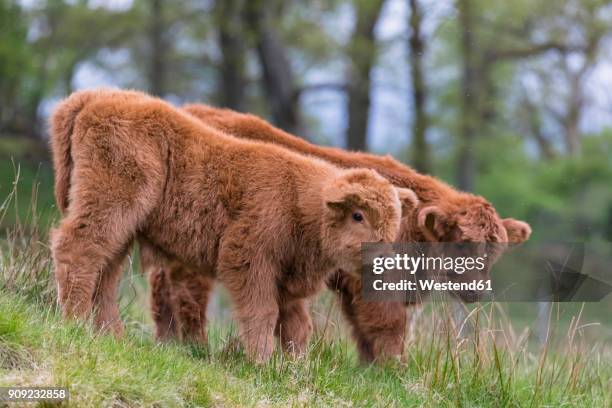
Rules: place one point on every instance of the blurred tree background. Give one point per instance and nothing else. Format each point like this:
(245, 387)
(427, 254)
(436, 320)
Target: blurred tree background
(505, 99)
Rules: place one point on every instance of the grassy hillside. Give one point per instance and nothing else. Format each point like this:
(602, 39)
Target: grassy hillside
(36, 347)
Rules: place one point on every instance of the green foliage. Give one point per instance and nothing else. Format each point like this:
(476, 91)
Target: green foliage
(567, 197)
(13, 47)
(15, 55)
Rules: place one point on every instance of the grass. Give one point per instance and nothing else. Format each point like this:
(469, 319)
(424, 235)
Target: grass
(25, 172)
(38, 348)
(493, 363)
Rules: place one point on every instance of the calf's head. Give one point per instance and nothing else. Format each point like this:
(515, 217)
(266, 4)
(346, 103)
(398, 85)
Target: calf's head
(361, 206)
(471, 221)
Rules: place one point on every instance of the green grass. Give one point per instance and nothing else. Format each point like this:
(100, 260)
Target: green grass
(26, 179)
(496, 363)
(38, 348)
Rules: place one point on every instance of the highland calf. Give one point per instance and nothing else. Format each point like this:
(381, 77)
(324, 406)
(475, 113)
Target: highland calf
(444, 215)
(269, 224)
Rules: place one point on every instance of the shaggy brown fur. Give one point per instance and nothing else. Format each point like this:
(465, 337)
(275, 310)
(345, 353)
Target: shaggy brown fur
(445, 215)
(269, 223)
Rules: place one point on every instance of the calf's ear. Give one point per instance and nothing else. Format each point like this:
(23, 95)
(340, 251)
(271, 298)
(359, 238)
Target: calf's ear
(433, 223)
(518, 231)
(408, 199)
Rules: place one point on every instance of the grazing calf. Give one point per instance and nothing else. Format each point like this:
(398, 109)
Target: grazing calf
(271, 225)
(444, 215)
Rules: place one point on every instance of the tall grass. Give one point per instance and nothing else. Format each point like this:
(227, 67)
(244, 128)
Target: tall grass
(25, 261)
(482, 360)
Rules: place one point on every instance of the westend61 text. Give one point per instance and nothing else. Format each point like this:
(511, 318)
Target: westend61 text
(430, 284)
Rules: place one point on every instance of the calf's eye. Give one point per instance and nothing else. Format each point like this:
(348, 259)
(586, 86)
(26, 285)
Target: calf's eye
(357, 217)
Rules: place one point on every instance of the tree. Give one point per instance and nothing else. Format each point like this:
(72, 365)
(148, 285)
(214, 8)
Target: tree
(487, 43)
(420, 148)
(14, 56)
(528, 114)
(361, 53)
(157, 67)
(231, 38)
(575, 74)
(39, 63)
(469, 76)
(277, 74)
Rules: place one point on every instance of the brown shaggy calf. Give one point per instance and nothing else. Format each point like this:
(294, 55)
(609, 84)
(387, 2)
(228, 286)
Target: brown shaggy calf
(444, 215)
(270, 224)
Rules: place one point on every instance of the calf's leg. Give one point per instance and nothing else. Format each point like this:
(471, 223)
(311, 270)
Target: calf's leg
(378, 328)
(105, 300)
(166, 325)
(179, 296)
(294, 326)
(250, 280)
(190, 291)
(85, 253)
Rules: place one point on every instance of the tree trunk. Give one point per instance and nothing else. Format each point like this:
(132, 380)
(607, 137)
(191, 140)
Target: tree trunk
(420, 149)
(157, 69)
(574, 111)
(466, 169)
(362, 54)
(231, 92)
(547, 151)
(277, 74)
(278, 80)
(576, 97)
